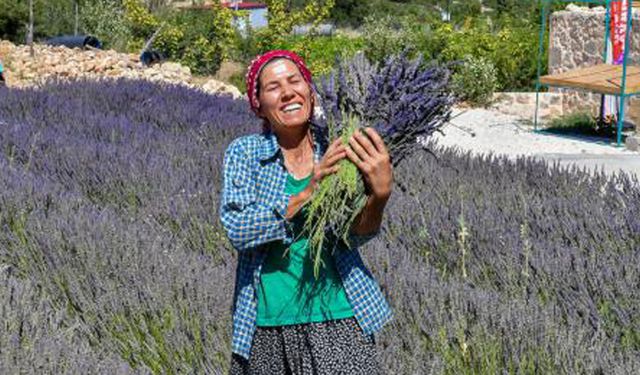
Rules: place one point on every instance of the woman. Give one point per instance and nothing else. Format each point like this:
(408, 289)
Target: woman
(286, 321)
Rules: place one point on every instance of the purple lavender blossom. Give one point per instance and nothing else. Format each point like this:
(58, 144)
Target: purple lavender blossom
(112, 259)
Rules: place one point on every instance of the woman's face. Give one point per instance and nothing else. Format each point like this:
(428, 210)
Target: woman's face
(285, 97)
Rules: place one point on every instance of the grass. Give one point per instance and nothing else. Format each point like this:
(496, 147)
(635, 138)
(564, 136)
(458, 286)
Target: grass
(582, 124)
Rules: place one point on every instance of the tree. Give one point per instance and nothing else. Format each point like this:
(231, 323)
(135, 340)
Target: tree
(282, 20)
(30, 29)
(350, 12)
(75, 17)
(50, 18)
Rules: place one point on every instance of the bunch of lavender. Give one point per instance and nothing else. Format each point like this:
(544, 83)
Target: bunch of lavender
(402, 100)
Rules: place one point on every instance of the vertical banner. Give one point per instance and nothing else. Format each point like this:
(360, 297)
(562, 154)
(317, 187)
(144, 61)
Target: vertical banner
(618, 30)
(616, 46)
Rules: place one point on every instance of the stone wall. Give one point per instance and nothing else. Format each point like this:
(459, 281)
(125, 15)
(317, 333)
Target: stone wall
(21, 69)
(577, 40)
(523, 104)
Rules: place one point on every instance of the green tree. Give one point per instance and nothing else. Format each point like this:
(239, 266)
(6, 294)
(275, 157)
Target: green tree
(283, 17)
(105, 19)
(350, 12)
(51, 18)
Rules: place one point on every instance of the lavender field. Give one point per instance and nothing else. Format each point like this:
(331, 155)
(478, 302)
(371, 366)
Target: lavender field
(112, 258)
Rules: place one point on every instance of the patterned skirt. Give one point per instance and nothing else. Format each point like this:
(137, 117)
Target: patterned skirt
(331, 347)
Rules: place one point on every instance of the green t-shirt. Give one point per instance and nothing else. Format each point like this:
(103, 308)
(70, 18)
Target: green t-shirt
(288, 292)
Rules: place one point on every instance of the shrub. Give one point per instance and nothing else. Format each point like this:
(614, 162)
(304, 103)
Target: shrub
(320, 52)
(105, 19)
(583, 123)
(51, 17)
(512, 49)
(86, 226)
(388, 36)
(200, 40)
(516, 55)
(282, 19)
(239, 80)
(475, 81)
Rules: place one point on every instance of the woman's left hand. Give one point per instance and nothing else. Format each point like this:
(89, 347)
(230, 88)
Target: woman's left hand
(369, 153)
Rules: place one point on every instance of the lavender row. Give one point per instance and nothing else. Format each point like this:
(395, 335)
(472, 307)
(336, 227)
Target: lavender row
(111, 254)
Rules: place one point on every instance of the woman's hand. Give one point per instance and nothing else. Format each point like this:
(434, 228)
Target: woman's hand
(329, 162)
(327, 166)
(369, 153)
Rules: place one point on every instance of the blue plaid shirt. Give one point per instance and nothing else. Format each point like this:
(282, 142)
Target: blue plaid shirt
(252, 212)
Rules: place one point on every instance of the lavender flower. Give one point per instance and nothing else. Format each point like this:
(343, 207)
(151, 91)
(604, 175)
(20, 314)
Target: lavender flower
(402, 101)
(112, 259)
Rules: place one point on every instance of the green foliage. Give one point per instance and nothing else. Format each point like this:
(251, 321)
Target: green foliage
(202, 56)
(507, 37)
(139, 18)
(516, 55)
(200, 40)
(238, 80)
(341, 192)
(282, 19)
(420, 9)
(388, 36)
(349, 12)
(461, 11)
(105, 20)
(475, 81)
(512, 48)
(320, 52)
(51, 17)
(582, 123)
(574, 121)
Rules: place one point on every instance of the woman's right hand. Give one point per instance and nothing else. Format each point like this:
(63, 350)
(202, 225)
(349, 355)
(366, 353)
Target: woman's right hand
(329, 163)
(327, 166)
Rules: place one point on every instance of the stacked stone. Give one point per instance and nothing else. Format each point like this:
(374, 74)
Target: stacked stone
(523, 104)
(48, 62)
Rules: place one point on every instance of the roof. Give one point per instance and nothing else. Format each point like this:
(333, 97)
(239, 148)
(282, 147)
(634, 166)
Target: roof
(243, 5)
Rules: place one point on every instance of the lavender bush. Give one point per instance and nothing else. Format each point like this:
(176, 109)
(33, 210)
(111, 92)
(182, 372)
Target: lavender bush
(112, 259)
(402, 99)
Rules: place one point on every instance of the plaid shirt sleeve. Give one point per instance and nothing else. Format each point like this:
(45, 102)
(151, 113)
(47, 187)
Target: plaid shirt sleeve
(359, 240)
(248, 222)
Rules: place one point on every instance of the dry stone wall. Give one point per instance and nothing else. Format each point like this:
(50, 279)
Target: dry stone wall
(523, 104)
(48, 62)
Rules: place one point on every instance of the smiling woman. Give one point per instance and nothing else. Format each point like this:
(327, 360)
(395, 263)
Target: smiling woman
(286, 320)
(284, 94)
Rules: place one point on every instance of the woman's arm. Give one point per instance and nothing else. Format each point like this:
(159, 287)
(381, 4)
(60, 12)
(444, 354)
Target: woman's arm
(250, 223)
(327, 165)
(370, 218)
(247, 222)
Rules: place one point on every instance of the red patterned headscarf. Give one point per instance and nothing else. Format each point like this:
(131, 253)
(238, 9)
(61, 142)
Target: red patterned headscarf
(255, 68)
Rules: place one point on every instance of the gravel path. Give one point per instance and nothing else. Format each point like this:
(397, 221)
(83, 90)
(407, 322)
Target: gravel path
(483, 131)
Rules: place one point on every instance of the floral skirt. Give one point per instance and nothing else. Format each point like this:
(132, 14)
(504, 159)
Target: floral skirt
(331, 347)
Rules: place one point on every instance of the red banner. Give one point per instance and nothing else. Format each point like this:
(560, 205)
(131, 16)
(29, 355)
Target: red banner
(618, 29)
